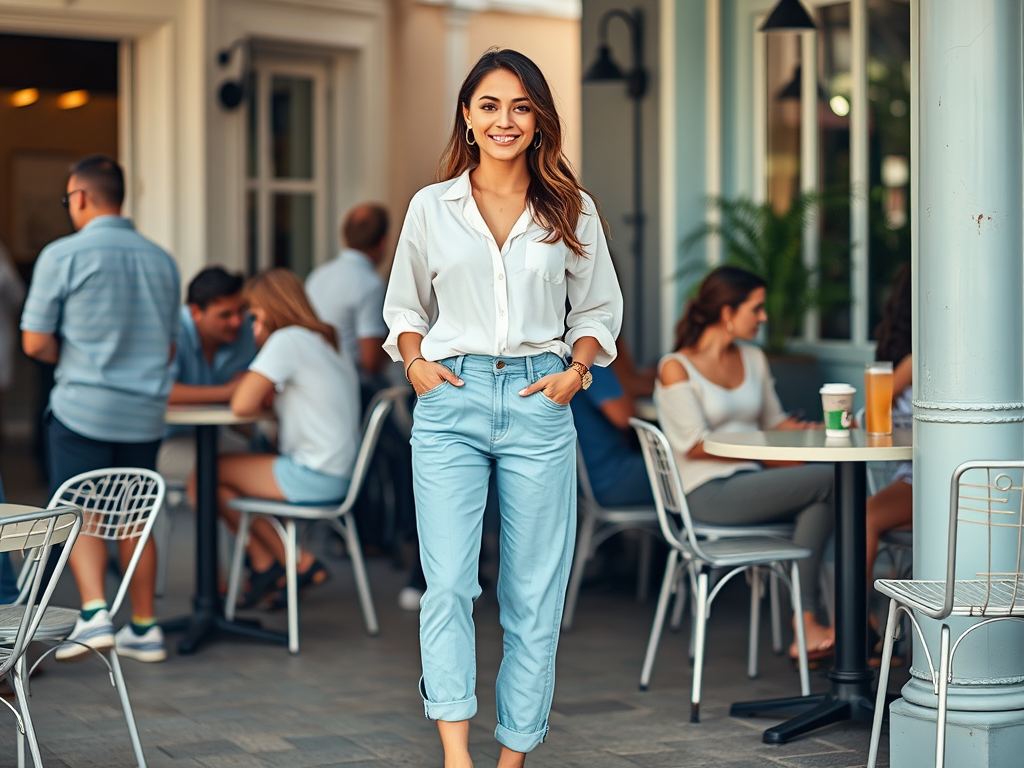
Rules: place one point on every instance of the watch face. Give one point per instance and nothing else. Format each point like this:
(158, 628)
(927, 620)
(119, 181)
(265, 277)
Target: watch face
(587, 380)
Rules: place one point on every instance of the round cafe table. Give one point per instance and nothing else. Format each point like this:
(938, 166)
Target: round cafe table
(207, 618)
(850, 696)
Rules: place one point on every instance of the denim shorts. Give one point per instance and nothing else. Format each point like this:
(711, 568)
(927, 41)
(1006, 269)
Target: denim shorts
(302, 485)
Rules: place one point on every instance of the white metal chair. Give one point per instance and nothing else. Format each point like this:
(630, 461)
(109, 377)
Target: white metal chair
(118, 504)
(597, 525)
(33, 532)
(696, 557)
(985, 496)
(283, 517)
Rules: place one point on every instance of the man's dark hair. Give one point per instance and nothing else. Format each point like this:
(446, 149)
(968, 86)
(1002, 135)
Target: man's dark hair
(103, 176)
(213, 283)
(365, 226)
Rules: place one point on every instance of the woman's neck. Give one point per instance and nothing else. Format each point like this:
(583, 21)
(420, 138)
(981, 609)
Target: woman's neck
(501, 177)
(714, 343)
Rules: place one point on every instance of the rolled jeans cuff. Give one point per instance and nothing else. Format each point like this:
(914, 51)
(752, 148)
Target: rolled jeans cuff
(449, 711)
(520, 742)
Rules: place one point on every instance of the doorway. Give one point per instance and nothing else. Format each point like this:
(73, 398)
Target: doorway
(59, 102)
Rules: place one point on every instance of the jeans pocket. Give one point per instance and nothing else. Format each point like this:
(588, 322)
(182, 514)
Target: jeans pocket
(551, 403)
(433, 391)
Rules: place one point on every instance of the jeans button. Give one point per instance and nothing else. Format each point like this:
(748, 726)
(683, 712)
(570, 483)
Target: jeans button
(500, 364)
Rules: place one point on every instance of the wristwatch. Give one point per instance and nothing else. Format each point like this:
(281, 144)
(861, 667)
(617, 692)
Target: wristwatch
(585, 376)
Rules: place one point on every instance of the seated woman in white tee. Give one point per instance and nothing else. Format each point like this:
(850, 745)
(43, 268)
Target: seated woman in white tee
(314, 391)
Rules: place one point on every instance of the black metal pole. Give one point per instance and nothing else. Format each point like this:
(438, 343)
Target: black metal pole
(638, 228)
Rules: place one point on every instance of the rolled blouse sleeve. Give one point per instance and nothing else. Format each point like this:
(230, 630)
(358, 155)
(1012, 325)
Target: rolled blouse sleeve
(593, 289)
(409, 304)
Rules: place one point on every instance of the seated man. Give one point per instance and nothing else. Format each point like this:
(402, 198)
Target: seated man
(615, 466)
(214, 348)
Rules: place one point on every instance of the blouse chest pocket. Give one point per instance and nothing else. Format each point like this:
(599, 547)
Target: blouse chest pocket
(546, 260)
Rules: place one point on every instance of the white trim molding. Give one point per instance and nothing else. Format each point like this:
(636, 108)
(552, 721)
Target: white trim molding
(562, 9)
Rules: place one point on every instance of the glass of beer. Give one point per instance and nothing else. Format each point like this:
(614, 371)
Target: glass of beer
(878, 397)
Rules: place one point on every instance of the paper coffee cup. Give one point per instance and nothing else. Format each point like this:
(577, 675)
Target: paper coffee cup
(837, 404)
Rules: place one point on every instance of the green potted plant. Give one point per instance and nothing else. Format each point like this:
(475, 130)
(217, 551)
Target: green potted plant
(770, 244)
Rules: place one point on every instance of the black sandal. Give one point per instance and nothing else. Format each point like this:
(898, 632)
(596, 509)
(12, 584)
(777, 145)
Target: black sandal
(315, 575)
(260, 584)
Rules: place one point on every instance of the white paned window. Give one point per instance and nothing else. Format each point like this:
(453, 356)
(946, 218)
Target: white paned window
(286, 190)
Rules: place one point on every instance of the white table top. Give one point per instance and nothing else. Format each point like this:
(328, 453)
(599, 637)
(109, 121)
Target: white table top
(811, 445)
(204, 414)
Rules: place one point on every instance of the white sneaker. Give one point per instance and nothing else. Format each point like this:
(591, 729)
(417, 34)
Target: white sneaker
(96, 633)
(148, 647)
(409, 598)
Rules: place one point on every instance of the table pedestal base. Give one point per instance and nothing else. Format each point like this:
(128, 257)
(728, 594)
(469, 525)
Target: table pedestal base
(849, 702)
(201, 629)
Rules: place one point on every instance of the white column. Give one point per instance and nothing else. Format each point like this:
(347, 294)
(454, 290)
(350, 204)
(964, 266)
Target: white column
(809, 157)
(969, 353)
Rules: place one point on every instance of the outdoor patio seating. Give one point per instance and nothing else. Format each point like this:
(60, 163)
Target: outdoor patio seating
(986, 507)
(118, 504)
(283, 516)
(33, 533)
(689, 555)
(597, 525)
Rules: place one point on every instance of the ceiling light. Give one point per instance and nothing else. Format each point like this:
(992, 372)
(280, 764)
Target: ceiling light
(24, 97)
(73, 99)
(788, 16)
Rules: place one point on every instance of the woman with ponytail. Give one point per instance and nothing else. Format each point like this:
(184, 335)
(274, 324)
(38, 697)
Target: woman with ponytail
(476, 306)
(711, 383)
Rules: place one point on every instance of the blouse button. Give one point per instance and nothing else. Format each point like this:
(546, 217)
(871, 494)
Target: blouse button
(501, 276)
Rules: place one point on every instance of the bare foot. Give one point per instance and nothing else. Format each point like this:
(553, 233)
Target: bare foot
(511, 759)
(820, 639)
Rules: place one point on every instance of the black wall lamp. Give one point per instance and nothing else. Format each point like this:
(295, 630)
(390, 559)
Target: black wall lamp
(604, 70)
(788, 16)
(232, 92)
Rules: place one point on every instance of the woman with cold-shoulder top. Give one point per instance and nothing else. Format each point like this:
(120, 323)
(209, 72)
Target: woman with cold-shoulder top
(712, 382)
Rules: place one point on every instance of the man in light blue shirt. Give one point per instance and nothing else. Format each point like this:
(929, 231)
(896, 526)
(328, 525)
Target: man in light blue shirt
(215, 346)
(103, 306)
(348, 293)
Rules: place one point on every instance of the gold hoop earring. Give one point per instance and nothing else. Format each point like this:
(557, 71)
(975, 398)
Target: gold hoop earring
(469, 136)
(538, 140)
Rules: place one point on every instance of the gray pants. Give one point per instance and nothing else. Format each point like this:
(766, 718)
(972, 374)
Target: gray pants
(801, 494)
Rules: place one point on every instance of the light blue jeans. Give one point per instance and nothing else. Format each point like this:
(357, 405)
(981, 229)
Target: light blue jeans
(460, 435)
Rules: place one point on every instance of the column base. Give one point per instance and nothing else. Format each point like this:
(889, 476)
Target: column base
(992, 739)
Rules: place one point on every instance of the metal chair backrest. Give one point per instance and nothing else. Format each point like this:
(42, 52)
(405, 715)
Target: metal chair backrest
(34, 532)
(117, 503)
(986, 498)
(669, 499)
(583, 480)
(376, 412)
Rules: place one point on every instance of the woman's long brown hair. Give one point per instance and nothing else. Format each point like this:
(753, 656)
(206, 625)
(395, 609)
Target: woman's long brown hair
(280, 294)
(554, 192)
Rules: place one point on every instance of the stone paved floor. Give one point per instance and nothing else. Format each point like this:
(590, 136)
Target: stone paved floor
(350, 700)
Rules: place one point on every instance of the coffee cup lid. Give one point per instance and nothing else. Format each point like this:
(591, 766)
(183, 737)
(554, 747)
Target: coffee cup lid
(837, 389)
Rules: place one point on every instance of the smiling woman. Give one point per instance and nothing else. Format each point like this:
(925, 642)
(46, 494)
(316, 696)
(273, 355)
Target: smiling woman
(476, 307)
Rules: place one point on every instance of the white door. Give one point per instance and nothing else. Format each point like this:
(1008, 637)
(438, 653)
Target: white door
(286, 198)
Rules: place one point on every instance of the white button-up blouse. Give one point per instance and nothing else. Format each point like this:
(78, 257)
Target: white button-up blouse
(452, 284)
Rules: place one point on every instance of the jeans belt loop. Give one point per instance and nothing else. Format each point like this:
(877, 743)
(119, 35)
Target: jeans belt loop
(457, 367)
(529, 370)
